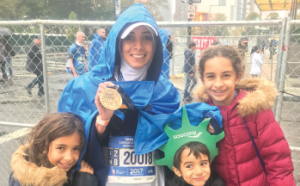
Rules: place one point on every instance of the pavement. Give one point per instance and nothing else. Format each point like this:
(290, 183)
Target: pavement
(17, 107)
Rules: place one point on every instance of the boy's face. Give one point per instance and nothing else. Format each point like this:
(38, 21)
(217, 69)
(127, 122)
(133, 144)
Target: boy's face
(195, 171)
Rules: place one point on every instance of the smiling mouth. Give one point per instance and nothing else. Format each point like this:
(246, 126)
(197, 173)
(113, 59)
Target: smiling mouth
(218, 91)
(199, 178)
(65, 166)
(138, 56)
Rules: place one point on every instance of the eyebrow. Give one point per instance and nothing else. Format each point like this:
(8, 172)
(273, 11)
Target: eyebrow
(227, 72)
(187, 162)
(61, 145)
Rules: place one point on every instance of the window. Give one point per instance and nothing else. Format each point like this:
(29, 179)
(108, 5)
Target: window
(222, 2)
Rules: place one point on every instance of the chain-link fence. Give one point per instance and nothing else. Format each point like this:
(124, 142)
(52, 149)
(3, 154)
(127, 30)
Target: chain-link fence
(279, 41)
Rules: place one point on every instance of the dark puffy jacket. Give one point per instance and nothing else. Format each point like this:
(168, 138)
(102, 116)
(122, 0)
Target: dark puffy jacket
(238, 163)
(189, 62)
(9, 48)
(34, 63)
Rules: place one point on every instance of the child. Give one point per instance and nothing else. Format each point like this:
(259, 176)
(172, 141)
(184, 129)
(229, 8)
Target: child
(248, 121)
(192, 163)
(256, 61)
(190, 149)
(48, 159)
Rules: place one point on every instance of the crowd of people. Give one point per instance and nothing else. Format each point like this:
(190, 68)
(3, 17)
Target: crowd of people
(229, 136)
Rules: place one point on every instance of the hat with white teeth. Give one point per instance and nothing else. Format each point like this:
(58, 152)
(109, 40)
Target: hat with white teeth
(134, 25)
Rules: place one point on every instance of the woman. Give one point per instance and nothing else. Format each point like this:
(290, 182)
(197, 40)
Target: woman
(132, 59)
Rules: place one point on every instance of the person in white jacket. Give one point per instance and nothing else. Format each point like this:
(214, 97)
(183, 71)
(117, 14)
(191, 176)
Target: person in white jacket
(256, 61)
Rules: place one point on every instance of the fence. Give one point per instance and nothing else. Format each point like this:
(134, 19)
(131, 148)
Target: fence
(18, 111)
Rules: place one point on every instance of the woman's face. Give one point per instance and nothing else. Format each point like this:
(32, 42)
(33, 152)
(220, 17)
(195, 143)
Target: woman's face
(137, 47)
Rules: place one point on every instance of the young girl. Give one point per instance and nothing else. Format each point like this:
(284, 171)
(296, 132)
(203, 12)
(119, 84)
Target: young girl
(248, 122)
(48, 159)
(256, 61)
(192, 164)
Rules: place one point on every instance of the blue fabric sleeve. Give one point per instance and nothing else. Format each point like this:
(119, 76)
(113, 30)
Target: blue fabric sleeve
(72, 51)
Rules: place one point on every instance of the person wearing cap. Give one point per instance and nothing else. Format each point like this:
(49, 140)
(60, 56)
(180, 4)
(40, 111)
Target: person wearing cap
(77, 64)
(131, 59)
(189, 70)
(243, 46)
(6, 52)
(96, 47)
(34, 65)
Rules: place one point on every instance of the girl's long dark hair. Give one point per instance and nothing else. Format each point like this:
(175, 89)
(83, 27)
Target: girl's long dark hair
(254, 49)
(51, 127)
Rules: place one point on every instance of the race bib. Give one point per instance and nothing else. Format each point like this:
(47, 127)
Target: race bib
(125, 166)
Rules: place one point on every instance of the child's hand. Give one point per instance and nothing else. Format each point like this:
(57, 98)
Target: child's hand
(85, 167)
(210, 129)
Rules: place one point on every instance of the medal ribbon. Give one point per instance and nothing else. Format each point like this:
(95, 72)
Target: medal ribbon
(126, 99)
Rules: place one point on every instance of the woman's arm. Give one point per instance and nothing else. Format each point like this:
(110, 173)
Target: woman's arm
(85, 176)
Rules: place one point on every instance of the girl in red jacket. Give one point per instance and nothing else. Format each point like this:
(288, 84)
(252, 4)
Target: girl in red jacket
(254, 151)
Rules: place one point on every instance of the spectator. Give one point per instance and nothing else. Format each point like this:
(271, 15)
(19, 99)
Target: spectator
(10, 53)
(273, 44)
(243, 47)
(256, 61)
(189, 69)
(96, 47)
(77, 64)
(167, 51)
(6, 50)
(262, 44)
(34, 65)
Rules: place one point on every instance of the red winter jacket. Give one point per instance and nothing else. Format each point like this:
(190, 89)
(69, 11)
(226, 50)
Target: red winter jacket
(238, 163)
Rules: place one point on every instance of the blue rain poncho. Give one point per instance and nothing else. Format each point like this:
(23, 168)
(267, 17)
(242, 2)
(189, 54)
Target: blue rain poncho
(95, 51)
(164, 36)
(155, 96)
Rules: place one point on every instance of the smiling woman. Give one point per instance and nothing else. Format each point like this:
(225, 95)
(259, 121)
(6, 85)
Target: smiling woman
(137, 47)
(131, 59)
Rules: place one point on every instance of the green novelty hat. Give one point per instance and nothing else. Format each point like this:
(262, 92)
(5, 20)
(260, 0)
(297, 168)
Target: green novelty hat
(188, 133)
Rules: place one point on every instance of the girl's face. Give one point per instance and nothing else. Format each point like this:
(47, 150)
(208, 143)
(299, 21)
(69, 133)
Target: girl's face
(195, 171)
(64, 151)
(137, 47)
(258, 51)
(219, 78)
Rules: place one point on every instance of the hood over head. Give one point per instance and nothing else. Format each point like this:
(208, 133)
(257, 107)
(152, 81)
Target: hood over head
(164, 36)
(110, 55)
(28, 173)
(260, 95)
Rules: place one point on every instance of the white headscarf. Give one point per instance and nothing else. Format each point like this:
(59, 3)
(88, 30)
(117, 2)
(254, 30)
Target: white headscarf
(126, 72)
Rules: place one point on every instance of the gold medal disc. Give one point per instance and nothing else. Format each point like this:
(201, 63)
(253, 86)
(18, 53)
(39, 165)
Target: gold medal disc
(111, 99)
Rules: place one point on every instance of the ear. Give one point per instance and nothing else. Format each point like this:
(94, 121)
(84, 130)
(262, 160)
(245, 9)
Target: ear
(239, 77)
(201, 79)
(177, 172)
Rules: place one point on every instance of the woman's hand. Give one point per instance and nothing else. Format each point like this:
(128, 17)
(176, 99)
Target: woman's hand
(210, 129)
(104, 113)
(85, 167)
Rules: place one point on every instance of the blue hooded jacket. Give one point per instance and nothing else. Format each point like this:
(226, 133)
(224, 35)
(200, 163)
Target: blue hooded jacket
(95, 51)
(155, 96)
(164, 36)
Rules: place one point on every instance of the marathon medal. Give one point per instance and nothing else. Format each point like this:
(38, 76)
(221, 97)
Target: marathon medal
(111, 99)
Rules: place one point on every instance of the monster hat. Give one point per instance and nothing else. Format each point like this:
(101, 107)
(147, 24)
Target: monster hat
(188, 133)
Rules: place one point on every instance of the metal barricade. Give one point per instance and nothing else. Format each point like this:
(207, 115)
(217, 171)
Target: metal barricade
(281, 66)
